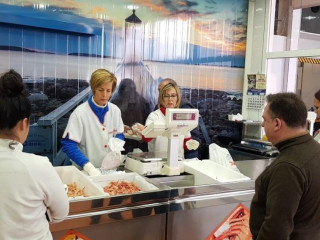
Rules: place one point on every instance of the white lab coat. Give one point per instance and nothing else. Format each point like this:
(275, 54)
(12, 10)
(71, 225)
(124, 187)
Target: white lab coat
(160, 143)
(93, 137)
(29, 186)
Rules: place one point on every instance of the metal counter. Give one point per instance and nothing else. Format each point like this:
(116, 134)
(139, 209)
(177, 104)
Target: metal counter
(135, 216)
(179, 210)
(197, 212)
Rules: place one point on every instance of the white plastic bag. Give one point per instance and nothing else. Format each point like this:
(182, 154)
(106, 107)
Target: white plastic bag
(116, 145)
(222, 156)
(113, 159)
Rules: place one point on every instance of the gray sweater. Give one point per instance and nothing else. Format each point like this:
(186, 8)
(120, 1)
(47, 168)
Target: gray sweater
(286, 204)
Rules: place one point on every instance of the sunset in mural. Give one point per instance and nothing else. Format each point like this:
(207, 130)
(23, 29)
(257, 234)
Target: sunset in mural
(199, 44)
(217, 25)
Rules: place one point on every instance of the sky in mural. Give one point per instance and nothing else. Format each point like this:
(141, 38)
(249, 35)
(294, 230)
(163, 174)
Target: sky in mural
(199, 43)
(200, 36)
(211, 24)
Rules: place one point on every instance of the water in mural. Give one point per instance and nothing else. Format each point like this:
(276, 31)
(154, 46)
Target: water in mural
(200, 44)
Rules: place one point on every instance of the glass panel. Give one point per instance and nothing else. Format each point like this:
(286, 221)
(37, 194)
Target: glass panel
(308, 79)
(298, 75)
(295, 25)
(281, 75)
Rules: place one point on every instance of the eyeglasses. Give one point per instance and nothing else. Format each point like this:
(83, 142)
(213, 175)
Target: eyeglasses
(170, 96)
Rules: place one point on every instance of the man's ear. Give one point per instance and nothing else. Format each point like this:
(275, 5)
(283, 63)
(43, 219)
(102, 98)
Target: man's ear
(278, 123)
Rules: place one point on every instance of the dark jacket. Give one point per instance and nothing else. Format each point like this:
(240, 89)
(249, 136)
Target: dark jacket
(286, 204)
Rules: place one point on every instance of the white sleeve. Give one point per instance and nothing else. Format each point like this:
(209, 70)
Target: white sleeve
(188, 135)
(152, 118)
(56, 199)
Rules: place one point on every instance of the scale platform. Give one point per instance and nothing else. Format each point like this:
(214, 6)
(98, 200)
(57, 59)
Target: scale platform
(148, 156)
(148, 163)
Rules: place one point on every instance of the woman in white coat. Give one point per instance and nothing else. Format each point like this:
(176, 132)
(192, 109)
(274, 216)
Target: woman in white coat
(31, 190)
(169, 97)
(92, 125)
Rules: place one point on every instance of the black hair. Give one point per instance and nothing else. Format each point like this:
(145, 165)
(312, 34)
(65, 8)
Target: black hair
(289, 107)
(14, 104)
(317, 95)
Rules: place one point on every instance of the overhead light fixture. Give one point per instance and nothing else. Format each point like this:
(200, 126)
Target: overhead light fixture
(310, 17)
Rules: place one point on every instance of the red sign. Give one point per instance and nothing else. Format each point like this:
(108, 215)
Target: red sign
(234, 227)
(73, 235)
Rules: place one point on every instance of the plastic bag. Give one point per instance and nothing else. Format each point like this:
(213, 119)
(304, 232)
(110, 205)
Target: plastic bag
(112, 160)
(116, 145)
(221, 156)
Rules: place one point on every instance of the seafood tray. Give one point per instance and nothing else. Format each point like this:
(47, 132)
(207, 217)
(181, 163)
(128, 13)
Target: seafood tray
(70, 175)
(134, 178)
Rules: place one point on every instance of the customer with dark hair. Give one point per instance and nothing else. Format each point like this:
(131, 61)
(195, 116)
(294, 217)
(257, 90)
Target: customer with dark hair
(316, 103)
(30, 187)
(286, 204)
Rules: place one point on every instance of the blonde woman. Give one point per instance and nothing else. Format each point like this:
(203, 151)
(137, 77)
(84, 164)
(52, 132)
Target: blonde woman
(93, 123)
(169, 97)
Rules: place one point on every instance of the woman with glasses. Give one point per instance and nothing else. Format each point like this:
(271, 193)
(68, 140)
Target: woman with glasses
(169, 97)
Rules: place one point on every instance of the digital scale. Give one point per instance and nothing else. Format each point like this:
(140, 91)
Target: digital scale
(258, 147)
(149, 163)
(264, 148)
(178, 122)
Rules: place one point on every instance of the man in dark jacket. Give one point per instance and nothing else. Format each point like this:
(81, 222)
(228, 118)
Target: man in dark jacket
(286, 204)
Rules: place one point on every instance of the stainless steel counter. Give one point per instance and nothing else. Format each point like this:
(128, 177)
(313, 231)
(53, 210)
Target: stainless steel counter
(252, 168)
(162, 214)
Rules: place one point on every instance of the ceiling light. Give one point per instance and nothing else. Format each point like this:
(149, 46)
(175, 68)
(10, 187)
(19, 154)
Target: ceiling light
(310, 17)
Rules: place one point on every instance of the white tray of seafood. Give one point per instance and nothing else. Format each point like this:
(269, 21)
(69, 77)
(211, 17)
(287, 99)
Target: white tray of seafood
(78, 185)
(123, 183)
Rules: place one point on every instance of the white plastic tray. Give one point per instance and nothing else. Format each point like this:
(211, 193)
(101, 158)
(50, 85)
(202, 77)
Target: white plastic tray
(70, 174)
(208, 172)
(139, 181)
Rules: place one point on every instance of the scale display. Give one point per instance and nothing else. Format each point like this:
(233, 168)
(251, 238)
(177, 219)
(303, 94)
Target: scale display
(183, 116)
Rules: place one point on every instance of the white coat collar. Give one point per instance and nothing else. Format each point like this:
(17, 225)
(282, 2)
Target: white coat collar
(10, 145)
